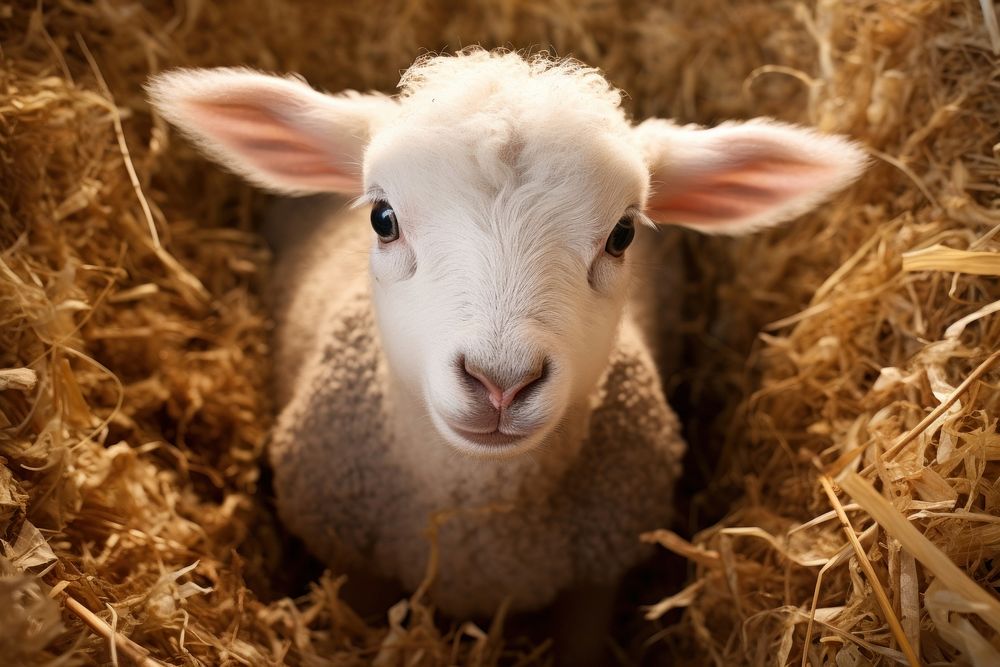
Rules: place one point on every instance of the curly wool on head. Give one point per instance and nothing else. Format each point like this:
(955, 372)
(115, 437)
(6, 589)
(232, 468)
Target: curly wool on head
(505, 81)
(510, 111)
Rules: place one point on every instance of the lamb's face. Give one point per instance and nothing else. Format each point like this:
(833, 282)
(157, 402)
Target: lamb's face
(499, 266)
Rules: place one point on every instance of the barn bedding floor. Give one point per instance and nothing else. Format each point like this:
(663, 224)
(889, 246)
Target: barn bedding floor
(840, 390)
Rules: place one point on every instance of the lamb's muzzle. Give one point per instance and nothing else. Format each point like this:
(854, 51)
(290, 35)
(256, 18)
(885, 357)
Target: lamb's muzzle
(500, 411)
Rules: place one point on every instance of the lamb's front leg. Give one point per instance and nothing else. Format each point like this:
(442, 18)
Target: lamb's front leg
(582, 624)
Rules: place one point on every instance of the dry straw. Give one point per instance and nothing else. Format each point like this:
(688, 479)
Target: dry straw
(856, 437)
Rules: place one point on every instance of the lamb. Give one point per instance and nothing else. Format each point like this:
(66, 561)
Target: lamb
(489, 363)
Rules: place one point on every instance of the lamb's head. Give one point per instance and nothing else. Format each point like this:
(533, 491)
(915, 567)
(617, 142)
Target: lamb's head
(504, 194)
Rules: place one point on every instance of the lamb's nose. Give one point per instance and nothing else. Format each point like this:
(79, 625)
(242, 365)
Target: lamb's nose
(503, 386)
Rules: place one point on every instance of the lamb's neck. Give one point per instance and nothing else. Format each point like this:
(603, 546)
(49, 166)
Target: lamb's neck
(455, 478)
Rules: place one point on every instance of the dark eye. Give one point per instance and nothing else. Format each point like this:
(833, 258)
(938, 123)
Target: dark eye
(621, 237)
(384, 222)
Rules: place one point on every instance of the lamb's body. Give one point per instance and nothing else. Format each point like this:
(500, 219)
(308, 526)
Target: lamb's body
(360, 477)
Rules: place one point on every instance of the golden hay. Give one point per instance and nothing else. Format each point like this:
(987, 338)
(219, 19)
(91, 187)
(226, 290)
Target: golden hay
(858, 445)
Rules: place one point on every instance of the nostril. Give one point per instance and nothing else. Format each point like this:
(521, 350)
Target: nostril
(493, 390)
(531, 380)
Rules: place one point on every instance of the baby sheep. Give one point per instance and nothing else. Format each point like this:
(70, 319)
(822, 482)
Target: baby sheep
(483, 371)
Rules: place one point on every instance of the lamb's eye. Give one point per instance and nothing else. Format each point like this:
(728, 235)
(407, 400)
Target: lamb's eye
(620, 238)
(384, 222)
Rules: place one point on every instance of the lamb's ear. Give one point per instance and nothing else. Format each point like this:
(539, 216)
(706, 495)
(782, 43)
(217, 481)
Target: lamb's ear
(740, 177)
(277, 132)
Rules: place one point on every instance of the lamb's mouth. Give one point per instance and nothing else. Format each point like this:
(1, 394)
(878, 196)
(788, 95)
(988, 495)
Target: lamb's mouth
(496, 443)
(495, 438)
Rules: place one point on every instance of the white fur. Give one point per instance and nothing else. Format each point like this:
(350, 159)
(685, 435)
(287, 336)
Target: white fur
(507, 175)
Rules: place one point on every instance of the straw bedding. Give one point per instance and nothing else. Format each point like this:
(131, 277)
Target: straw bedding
(839, 386)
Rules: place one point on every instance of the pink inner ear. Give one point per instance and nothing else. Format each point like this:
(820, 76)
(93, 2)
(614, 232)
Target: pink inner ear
(275, 146)
(733, 191)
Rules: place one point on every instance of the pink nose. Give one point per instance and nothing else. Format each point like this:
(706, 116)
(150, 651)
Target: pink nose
(504, 388)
